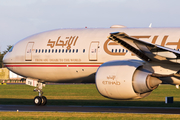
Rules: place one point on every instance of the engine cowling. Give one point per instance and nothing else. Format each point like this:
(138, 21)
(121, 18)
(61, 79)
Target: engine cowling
(125, 80)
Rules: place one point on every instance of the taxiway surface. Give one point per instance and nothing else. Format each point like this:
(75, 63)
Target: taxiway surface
(157, 110)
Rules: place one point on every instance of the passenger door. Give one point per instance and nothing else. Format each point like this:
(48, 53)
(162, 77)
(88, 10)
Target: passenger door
(93, 52)
(28, 54)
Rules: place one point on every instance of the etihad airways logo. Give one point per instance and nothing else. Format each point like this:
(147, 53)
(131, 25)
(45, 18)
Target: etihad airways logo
(67, 41)
(108, 42)
(111, 80)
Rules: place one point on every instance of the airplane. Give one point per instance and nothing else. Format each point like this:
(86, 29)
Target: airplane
(124, 63)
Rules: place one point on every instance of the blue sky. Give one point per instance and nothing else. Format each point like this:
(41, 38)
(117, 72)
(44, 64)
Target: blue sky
(22, 18)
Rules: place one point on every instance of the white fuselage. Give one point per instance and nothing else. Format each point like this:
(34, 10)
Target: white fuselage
(74, 55)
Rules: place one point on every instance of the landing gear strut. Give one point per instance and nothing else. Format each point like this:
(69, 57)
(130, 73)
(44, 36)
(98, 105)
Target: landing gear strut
(40, 100)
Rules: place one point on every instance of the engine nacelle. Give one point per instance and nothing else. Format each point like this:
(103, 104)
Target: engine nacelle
(125, 80)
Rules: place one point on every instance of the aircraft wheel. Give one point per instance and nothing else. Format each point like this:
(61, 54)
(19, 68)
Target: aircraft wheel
(37, 100)
(44, 100)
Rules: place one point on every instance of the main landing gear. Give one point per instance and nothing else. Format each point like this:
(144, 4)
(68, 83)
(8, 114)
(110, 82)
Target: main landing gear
(40, 100)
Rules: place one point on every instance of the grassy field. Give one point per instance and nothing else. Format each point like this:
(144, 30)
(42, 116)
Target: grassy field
(83, 94)
(83, 116)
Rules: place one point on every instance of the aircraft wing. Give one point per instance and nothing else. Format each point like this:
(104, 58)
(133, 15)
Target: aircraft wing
(145, 50)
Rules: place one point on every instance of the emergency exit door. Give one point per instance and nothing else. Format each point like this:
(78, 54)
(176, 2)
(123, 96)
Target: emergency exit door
(28, 54)
(93, 53)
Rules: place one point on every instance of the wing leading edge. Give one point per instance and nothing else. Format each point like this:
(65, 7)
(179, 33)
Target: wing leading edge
(145, 50)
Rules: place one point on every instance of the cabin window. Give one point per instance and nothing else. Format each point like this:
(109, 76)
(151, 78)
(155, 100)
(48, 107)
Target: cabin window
(73, 50)
(66, 50)
(42, 50)
(62, 50)
(59, 50)
(123, 50)
(39, 50)
(49, 50)
(119, 50)
(112, 50)
(83, 50)
(52, 50)
(36, 50)
(70, 51)
(56, 51)
(116, 50)
(46, 51)
(76, 50)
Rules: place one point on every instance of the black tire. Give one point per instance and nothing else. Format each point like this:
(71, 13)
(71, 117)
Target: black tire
(37, 100)
(44, 100)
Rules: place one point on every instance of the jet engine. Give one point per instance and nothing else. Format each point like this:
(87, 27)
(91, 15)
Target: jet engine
(125, 80)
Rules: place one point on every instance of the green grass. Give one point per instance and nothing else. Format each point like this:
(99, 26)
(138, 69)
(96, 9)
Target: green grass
(83, 94)
(83, 116)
